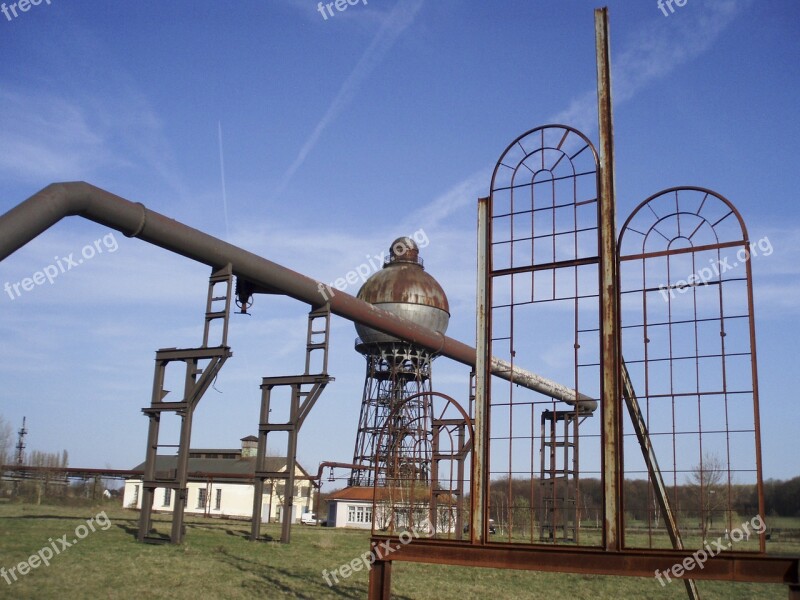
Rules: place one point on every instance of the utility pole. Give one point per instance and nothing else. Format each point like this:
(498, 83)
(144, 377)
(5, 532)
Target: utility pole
(21, 442)
(20, 452)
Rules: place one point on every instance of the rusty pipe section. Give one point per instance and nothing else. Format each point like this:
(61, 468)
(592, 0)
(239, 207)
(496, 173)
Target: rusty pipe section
(47, 207)
(341, 465)
(548, 387)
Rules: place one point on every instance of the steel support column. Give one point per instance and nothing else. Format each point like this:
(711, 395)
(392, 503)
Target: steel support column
(613, 526)
(380, 578)
(196, 381)
(305, 390)
(480, 447)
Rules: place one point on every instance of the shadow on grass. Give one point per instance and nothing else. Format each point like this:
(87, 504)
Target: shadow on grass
(53, 517)
(129, 529)
(292, 583)
(228, 531)
(132, 529)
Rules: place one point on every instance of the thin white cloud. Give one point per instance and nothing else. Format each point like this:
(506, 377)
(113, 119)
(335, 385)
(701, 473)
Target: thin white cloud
(46, 138)
(462, 194)
(401, 17)
(51, 134)
(654, 52)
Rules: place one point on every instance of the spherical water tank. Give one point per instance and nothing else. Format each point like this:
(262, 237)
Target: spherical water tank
(404, 288)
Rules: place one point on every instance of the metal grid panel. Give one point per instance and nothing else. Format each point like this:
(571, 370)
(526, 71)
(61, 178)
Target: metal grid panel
(544, 315)
(688, 341)
(433, 506)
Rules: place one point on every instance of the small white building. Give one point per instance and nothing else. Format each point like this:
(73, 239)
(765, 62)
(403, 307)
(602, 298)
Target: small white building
(231, 495)
(353, 507)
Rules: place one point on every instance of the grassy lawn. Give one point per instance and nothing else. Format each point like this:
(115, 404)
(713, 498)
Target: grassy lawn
(217, 561)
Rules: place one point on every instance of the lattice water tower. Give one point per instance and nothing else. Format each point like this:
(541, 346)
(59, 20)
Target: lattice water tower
(397, 370)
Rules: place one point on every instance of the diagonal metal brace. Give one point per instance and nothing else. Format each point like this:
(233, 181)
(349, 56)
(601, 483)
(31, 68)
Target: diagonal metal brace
(640, 427)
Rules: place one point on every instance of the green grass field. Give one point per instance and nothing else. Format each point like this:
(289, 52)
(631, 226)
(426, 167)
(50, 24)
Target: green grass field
(217, 561)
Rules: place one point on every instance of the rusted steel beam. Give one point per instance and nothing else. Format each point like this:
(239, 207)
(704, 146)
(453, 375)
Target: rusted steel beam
(613, 525)
(70, 471)
(341, 465)
(193, 475)
(47, 207)
(380, 579)
(78, 471)
(727, 566)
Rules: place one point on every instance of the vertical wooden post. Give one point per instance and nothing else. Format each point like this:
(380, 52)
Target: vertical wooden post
(613, 531)
(480, 446)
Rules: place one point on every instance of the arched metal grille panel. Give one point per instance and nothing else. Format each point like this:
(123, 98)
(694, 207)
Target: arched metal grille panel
(544, 315)
(437, 507)
(688, 343)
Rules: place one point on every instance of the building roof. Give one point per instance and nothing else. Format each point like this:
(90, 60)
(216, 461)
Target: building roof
(215, 452)
(249, 438)
(246, 467)
(365, 494)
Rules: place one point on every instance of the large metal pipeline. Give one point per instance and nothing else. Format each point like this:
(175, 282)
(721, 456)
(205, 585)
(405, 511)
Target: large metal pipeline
(48, 206)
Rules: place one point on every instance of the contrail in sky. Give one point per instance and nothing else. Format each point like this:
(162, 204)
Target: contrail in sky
(222, 177)
(398, 21)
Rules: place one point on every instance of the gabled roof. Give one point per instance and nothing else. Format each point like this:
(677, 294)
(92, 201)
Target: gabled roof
(367, 494)
(215, 453)
(242, 466)
(364, 494)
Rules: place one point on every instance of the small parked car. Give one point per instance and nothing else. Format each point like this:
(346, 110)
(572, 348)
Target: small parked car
(308, 519)
(492, 529)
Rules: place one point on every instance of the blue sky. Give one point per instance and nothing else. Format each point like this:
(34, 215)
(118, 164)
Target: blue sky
(338, 135)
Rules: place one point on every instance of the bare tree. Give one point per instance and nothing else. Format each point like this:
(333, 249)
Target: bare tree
(6, 441)
(707, 483)
(50, 463)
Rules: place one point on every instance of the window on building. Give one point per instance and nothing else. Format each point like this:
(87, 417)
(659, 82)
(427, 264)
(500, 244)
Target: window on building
(167, 496)
(201, 498)
(136, 494)
(359, 514)
(218, 502)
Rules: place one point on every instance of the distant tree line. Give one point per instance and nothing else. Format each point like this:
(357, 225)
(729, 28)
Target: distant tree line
(6, 441)
(782, 497)
(46, 483)
(705, 504)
